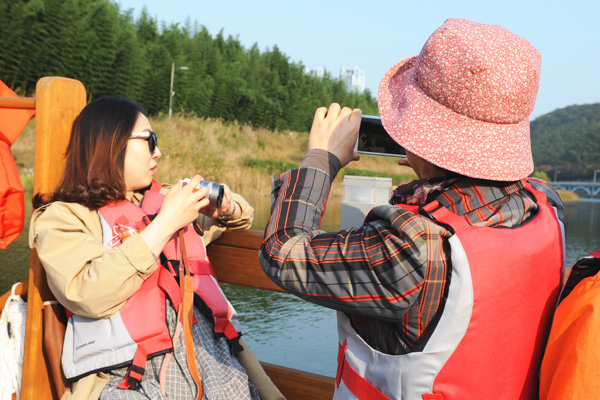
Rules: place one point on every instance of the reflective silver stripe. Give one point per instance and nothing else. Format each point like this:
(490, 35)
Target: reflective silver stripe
(107, 232)
(566, 271)
(95, 344)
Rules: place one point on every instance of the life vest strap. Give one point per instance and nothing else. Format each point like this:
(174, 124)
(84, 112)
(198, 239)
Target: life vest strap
(230, 333)
(134, 375)
(167, 282)
(187, 297)
(207, 287)
(441, 214)
(235, 346)
(358, 385)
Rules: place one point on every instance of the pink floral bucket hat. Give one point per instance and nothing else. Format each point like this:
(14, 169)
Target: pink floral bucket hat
(463, 103)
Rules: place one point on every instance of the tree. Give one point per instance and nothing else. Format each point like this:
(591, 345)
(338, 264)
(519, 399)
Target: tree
(568, 140)
(112, 53)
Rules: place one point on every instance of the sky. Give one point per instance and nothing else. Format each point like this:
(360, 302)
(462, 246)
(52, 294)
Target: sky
(375, 34)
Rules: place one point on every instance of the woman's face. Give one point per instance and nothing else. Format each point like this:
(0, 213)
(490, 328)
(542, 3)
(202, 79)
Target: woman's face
(423, 168)
(140, 164)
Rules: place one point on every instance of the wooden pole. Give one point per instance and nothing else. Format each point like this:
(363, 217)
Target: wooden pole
(58, 102)
(22, 103)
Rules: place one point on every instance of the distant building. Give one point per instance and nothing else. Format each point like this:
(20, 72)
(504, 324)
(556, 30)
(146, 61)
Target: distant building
(319, 72)
(354, 79)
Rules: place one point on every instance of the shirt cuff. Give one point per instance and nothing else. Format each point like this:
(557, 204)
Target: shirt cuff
(323, 160)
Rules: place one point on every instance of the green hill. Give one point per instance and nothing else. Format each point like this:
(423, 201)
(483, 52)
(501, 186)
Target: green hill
(113, 53)
(566, 142)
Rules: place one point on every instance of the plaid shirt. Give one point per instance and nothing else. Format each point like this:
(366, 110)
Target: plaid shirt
(389, 275)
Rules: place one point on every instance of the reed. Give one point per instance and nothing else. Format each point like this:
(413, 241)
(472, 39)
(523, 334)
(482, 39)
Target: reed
(227, 152)
(568, 196)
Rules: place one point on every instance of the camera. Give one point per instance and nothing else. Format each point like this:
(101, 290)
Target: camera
(373, 139)
(215, 191)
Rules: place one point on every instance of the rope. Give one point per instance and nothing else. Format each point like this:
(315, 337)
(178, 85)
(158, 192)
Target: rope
(12, 339)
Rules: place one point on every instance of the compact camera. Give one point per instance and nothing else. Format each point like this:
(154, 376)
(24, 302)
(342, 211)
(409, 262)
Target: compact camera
(215, 191)
(373, 139)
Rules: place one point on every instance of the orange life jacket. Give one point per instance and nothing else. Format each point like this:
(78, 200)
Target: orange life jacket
(12, 204)
(572, 359)
(139, 331)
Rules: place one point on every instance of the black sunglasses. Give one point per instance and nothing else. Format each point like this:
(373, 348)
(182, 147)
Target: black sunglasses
(151, 138)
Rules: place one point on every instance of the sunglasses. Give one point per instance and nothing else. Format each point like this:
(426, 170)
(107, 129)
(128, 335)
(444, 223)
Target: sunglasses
(149, 136)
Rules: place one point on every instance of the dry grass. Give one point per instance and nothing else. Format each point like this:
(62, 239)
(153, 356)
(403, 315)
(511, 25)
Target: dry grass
(217, 150)
(23, 147)
(23, 153)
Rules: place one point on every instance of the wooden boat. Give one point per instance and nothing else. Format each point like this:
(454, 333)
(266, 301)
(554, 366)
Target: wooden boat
(57, 102)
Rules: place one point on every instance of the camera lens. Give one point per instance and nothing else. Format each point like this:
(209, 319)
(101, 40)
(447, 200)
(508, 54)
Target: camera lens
(215, 193)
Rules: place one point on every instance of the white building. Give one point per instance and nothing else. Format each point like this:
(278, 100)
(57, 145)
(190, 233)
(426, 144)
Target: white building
(354, 79)
(319, 72)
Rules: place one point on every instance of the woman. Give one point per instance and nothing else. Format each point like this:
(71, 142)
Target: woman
(107, 240)
(446, 292)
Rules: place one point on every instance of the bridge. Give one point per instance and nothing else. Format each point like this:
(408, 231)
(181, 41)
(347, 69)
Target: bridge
(590, 189)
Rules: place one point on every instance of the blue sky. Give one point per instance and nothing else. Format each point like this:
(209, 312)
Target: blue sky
(373, 35)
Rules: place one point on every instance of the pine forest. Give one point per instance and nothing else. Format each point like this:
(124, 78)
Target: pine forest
(113, 52)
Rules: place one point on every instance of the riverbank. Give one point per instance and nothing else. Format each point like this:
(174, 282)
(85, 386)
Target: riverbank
(568, 196)
(242, 156)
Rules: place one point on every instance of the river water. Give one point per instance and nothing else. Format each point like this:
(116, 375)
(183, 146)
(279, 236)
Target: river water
(285, 330)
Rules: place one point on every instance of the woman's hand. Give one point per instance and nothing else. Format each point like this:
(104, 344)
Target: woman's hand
(229, 209)
(179, 208)
(182, 204)
(336, 130)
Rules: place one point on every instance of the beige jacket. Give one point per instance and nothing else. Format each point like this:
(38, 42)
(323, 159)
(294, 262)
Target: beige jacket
(94, 281)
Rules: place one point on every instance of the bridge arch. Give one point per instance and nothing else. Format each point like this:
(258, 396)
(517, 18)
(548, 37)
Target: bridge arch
(588, 188)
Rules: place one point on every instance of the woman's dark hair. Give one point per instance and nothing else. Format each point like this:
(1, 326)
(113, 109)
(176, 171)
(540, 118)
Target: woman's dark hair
(93, 173)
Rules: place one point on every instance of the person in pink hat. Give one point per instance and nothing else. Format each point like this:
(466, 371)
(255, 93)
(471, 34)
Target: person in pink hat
(448, 291)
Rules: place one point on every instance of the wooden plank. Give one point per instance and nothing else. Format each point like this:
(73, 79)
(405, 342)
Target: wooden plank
(58, 102)
(248, 239)
(234, 257)
(300, 385)
(22, 103)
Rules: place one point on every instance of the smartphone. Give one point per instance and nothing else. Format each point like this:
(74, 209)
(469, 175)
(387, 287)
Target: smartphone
(373, 139)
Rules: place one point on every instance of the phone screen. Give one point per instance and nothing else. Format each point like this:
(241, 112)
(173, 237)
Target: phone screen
(373, 139)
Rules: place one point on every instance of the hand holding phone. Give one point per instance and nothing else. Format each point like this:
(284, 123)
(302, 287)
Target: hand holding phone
(335, 130)
(373, 139)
